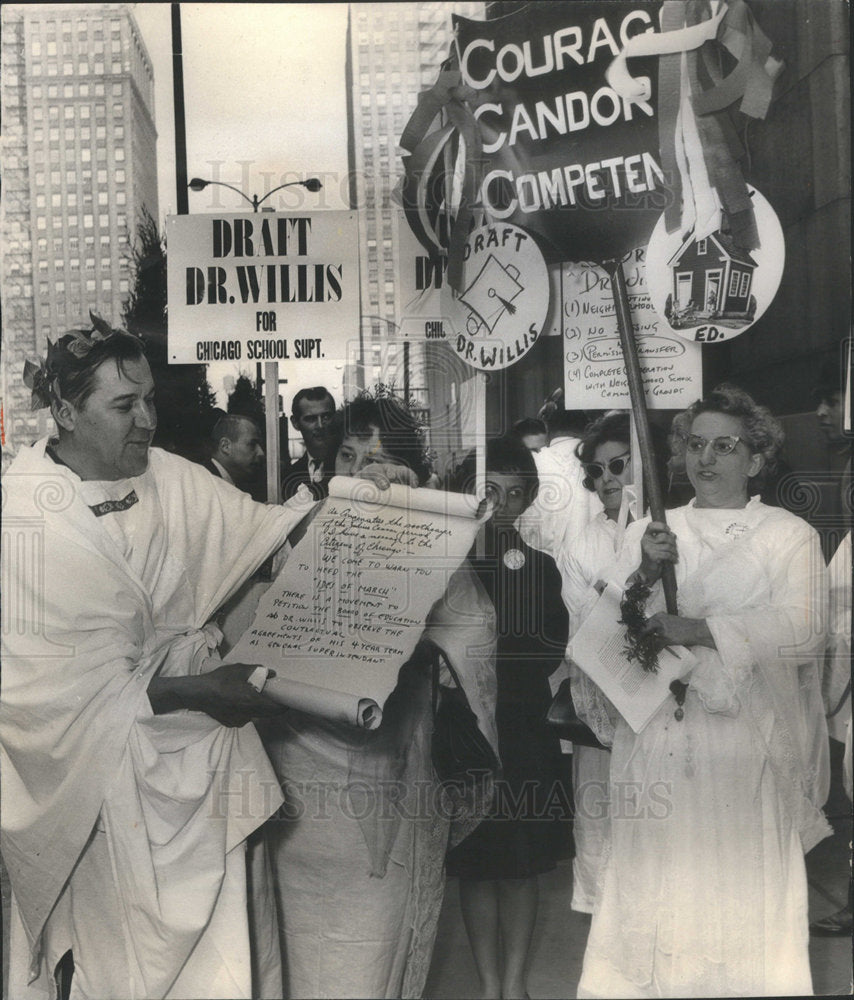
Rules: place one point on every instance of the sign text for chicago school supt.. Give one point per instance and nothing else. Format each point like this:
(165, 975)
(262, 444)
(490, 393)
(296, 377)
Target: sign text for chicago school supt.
(262, 287)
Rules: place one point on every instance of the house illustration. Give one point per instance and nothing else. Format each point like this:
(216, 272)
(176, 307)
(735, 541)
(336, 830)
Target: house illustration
(712, 280)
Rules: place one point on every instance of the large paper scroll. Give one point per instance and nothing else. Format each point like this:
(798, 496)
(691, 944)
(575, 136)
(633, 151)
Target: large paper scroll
(598, 648)
(349, 605)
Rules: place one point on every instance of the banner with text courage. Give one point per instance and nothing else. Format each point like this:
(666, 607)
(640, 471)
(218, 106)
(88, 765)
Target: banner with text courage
(564, 155)
(271, 286)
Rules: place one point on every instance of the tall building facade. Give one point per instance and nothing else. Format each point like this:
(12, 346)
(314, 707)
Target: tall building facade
(395, 52)
(79, 155)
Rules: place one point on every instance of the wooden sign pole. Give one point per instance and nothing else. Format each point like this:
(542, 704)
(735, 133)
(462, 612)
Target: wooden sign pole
(633, 372)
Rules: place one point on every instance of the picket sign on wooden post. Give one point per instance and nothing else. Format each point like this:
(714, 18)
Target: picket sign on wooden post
(633, 374)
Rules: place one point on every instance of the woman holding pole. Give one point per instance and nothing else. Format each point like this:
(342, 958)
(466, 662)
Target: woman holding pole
(714, 802)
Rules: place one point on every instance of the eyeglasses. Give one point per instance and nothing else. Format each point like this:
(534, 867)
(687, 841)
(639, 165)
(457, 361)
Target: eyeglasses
(723, 445)
(595, 470)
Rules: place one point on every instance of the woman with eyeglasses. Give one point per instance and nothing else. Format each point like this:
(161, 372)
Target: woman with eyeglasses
(498, 865)
(715, 801)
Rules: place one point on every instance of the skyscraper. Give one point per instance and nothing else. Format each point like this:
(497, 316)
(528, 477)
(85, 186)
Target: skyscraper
(395, 52)
(79, 168)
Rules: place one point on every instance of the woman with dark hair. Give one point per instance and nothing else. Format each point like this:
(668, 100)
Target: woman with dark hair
(498, 865)
(358, 851)
(704, 891)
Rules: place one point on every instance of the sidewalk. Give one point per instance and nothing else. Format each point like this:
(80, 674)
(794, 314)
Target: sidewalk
(561, 933)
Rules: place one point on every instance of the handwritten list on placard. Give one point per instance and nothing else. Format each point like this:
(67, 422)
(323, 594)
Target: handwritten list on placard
(594, 370)
(350, 603)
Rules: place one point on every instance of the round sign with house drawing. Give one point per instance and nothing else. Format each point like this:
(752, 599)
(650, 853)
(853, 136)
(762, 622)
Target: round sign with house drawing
(504, 298)
(708, 289)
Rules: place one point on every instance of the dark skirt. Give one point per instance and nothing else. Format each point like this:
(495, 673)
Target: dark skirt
(526, 831)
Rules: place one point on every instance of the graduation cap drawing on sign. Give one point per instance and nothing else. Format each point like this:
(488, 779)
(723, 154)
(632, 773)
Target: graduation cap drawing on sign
(491, 294)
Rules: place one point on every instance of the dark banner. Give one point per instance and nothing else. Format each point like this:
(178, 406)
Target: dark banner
(563, 154)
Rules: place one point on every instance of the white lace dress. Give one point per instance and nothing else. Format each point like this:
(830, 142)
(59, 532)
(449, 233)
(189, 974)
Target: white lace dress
(704, 890)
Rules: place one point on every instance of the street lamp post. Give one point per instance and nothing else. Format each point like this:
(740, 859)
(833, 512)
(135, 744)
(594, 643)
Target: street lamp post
(271, 368)
(310, 184)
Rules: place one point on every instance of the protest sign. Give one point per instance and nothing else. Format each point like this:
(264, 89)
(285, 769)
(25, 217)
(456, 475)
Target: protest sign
(350, 604)
(708, 289)
(501, 309)
(594, 368)
(270, 286)
(564, 155)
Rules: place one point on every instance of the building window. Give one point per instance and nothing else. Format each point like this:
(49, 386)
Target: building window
(38, 114)
(103, 220)
(120, 153)
(102, 177)
(88, 221)
(123, 284)
(100, 131)
(83, 69)
(103, 198)
(106, 285)
(733, 282)
(86, 155)
(72, 199)
(702, 247)
(106, 263)
(118, 110)
(116, 90)
(745, 284)
(55, 200)
(90, 284)
(120, 176)
(121, 198)
(36, 48)
(69, 134)
(69, 112)
(85, 112)
(70, 176)
(117, 66)
(68, 90)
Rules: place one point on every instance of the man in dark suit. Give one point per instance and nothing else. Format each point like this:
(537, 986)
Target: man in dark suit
(238, 452)
(312, 415)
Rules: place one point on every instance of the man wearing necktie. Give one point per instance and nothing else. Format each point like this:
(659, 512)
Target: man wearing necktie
(312, 415)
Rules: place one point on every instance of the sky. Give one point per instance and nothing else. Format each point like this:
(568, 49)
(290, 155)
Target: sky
(265, 103)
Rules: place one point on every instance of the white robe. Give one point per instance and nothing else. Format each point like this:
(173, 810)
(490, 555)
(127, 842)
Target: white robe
(563, 506)
(704, 892)
(96, 789)
(358, 849)
(582, 563)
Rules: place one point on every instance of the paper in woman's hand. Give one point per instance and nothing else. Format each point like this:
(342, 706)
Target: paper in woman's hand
(598, 647)
(349, 605)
